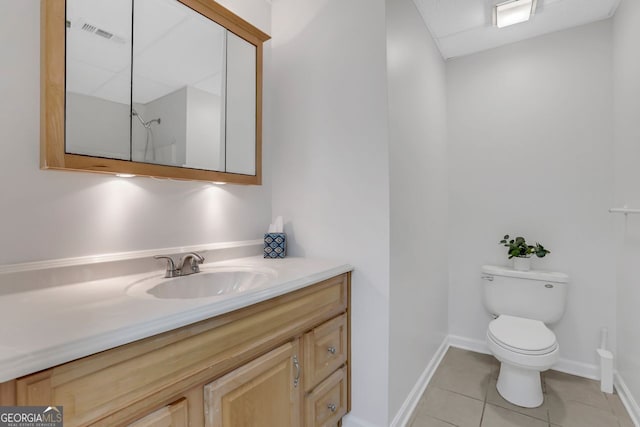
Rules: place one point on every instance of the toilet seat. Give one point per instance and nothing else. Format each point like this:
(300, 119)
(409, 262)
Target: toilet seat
(522, 336)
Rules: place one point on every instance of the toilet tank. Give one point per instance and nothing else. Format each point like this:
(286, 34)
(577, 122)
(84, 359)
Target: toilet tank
(538, 295)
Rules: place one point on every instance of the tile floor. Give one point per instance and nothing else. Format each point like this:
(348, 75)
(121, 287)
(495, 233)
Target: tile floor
(463, 393)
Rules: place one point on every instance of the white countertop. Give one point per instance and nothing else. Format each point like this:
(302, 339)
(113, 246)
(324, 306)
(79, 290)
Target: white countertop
(44, 328)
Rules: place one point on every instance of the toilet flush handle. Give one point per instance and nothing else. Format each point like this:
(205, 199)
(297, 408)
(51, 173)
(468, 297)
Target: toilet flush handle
(489, 278)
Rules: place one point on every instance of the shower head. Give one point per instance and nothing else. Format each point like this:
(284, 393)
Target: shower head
(147, 125)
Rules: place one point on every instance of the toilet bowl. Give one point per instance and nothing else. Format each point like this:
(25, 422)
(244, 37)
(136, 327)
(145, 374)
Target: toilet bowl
(524, 348)
(523, 304)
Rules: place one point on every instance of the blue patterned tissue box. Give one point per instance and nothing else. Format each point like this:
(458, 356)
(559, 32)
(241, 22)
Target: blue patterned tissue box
(275, 245)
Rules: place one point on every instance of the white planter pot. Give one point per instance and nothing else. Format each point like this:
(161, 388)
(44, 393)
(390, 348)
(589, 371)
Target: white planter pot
(521, 264)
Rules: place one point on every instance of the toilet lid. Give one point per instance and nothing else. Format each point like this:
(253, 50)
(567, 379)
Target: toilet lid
(522, 335)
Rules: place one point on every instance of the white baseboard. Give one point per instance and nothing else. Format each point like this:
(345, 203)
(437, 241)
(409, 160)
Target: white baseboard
(351, 421)
(406, 410)
(572, 367)
(579, 369)
(469, 344)
(627, 399)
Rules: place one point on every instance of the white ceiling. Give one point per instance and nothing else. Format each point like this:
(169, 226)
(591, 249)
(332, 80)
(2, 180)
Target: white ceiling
(173, 47)
(462, 27)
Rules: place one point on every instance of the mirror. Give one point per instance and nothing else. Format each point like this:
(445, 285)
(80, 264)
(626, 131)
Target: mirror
(97, 78)
(167, 88)
(178, 95)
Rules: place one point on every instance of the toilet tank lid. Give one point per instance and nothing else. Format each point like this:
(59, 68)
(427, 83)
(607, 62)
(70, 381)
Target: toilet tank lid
(544, 276)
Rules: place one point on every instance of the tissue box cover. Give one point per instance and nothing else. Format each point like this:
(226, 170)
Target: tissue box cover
(275, 245)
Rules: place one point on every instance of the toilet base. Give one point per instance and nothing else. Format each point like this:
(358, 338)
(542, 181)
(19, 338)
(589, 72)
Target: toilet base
(520, 386)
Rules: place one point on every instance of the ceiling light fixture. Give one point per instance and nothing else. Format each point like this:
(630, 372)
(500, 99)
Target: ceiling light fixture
(125, 175)
(513, 12)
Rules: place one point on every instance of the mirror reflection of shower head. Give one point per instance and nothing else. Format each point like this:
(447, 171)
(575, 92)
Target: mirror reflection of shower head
(147, 125)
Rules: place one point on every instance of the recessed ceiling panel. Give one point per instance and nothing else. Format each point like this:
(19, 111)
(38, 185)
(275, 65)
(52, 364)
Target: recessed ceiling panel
(462, 27)
(157, 18)
(453, 16)
(112, 15)
(84, 78)
(185, 55)
(211, 84)
(148, 90)
(116, 89)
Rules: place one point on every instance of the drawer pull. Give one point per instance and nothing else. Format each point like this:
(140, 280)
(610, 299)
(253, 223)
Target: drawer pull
(332, 407)
(332, 350)
(296, 365)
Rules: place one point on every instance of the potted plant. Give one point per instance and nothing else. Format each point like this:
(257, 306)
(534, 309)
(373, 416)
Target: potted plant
(521, 252)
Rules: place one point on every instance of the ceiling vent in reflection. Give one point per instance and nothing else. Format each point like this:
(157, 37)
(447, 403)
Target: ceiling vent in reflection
(95, 30)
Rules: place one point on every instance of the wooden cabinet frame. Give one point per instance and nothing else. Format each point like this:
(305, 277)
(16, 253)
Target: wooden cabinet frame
(52, 101)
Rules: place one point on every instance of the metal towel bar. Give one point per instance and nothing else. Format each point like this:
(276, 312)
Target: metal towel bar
(624, 210)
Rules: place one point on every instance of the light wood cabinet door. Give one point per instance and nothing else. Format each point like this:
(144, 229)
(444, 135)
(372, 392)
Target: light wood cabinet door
(173, 415)
(265, 392)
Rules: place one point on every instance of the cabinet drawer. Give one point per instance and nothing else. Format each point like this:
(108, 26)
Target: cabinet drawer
(173, 415)
(325, 350)
(327, 403)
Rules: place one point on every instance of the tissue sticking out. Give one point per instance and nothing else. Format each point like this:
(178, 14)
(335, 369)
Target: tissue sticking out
(277, 226)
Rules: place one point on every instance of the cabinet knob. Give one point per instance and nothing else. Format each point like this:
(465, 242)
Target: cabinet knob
(331, 350)
(332, 407)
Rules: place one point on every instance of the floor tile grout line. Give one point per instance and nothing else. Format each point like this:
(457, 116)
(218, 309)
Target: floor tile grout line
(547, 420)
(592, 406)
(458, 393)
(444, 421)
(486, 393)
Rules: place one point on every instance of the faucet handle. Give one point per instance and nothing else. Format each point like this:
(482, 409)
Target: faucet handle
(193, 259)
(171, 266)
(199, 258)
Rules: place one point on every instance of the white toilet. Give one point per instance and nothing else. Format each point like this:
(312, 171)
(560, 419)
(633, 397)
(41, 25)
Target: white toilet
(523, 302)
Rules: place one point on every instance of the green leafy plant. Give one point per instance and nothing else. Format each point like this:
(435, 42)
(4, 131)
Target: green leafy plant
(518, 247)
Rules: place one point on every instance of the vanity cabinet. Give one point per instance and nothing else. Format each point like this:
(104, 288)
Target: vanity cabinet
(281, 362)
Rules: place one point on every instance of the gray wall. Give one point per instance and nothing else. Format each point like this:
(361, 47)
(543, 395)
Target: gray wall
(626, 45)
(418, 190)
(97, 127)
(531, 153)
(330, 163)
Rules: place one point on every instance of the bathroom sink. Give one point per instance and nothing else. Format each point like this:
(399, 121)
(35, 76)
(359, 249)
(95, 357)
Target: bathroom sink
(214, 282)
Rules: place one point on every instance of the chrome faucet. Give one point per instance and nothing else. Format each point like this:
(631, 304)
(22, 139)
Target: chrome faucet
(171, 266)
(189, 264)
